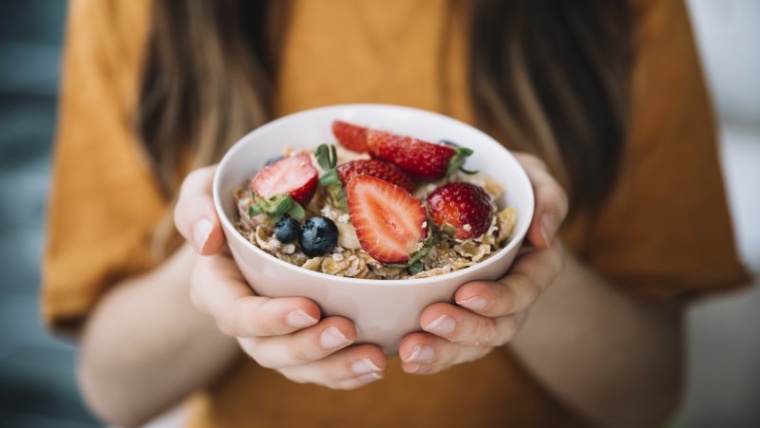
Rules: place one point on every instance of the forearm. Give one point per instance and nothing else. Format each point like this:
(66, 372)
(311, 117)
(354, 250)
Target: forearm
(145, 347)
(616, 359)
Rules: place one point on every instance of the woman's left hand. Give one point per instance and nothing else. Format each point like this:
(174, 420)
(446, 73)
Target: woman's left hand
(489, 314)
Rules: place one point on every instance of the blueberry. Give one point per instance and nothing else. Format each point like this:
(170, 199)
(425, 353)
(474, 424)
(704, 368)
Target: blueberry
(274, 160)
(287, 230)
(318, 236)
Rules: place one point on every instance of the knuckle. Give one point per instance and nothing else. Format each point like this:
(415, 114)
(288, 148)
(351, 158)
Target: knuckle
(482, 333)
(259, 354)
(300, 352)
(490, 331)
(266, 327)
(503, 303)
(222, 326)
(227, 326)
(508, 330)
(522, 289)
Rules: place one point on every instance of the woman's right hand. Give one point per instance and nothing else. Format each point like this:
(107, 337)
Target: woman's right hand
(284, 334)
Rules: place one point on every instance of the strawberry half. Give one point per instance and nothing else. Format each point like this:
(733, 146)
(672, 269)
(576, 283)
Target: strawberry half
(418, 158)
(465, 207)
(350, 136)
(293, 175)
(375, 168)
(389, 221)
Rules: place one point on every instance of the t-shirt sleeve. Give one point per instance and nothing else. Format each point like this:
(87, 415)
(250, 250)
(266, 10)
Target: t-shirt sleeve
(103, 202)
(666, 231)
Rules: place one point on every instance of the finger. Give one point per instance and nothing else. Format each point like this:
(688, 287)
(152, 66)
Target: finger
(463, 327)
(531, 274)
(423, 353)
(218, 288)
(304, 346)
(357, 382)
(194, 214)
(346, 369)
(551, 202)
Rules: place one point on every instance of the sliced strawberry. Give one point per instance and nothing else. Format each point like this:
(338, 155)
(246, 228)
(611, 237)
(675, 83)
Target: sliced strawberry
(375, 168)
(465, 207)
(389, 221)
(293, 175)
(418, 158)
(350, 136)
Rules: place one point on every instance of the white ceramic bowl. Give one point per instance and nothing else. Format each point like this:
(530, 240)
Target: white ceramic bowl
(383, 310)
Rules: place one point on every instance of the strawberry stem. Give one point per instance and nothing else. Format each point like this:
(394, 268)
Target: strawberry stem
(457, 161)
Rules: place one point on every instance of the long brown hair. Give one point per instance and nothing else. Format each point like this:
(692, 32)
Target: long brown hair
(552, 75)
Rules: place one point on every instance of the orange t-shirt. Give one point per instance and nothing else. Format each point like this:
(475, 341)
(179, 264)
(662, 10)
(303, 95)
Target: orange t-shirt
(665, 233)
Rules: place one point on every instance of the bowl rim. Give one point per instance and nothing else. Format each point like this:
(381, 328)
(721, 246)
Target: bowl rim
(228, 225)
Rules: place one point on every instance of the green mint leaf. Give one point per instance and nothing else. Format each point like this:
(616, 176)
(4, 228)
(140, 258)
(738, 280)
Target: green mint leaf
(323, 156)
(297, 212)
(282, 207)
(327, 156)
(416, 267)
(330, 178)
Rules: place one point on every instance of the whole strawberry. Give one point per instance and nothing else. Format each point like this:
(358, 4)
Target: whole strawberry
(465, 207)
(390, 222)
(417, 158)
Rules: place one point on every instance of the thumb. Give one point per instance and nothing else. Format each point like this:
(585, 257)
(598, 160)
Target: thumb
(194, 214)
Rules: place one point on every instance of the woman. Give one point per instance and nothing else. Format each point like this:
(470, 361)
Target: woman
(609, 96)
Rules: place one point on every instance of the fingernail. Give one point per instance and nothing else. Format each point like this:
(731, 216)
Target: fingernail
(201, 231)
(365, 366)
(548, 228)
(475, 303)
(421, 354)
(442, 325)
(300, 319)
(332, 338)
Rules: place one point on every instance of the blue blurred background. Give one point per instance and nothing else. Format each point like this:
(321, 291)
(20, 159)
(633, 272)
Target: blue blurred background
(37, 386)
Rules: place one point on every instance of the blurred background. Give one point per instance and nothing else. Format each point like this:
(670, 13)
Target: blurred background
(37, 387)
